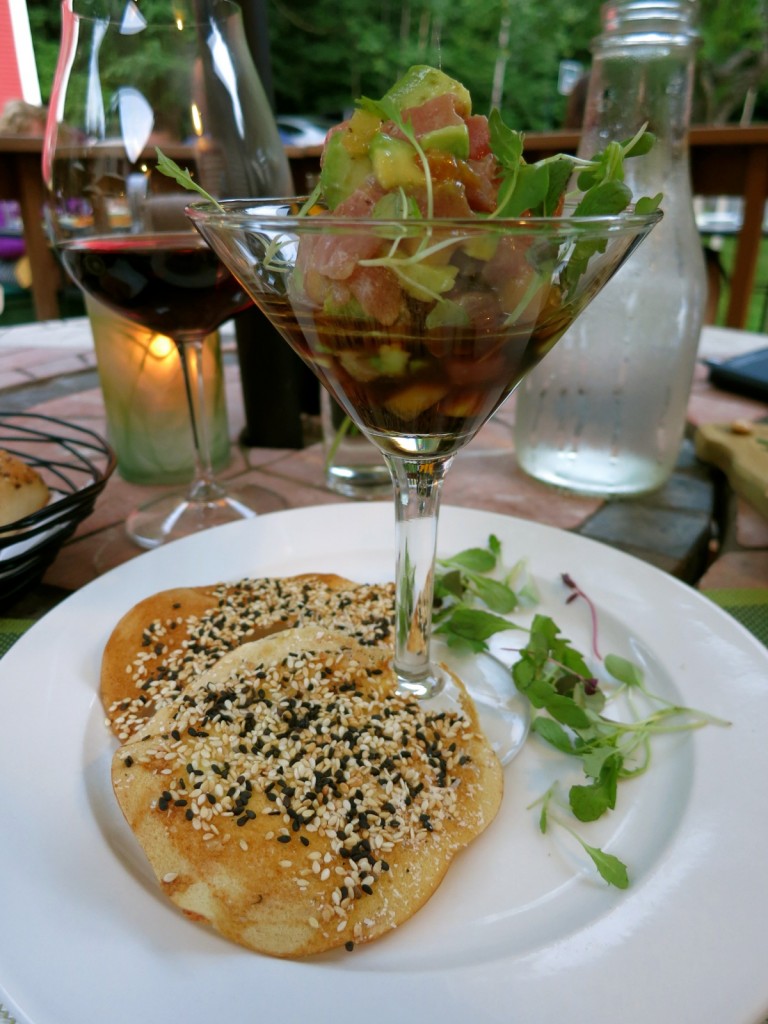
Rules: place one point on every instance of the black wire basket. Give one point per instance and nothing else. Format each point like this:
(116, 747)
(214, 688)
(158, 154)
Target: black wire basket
(75, 463)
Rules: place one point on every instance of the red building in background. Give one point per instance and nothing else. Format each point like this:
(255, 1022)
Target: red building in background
(18, 69)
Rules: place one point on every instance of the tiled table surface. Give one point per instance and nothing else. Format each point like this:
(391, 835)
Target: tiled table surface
(50, 367)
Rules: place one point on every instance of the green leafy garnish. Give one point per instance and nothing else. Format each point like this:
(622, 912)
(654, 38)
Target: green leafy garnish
(463, 582)
(574, 710)
(182, 177)
(538, 189)
(609, 867)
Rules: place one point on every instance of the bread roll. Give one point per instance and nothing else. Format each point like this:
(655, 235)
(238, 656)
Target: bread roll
(22, 490)
(296, 802)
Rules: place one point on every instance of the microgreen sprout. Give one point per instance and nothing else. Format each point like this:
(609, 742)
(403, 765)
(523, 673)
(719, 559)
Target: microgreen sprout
(575, 712)
(609, 867)
(577, 592)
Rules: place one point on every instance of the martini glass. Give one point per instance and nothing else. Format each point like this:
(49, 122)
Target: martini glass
(420, 329)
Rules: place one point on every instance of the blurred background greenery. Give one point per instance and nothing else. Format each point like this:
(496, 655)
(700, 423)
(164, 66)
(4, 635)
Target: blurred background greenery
(510, 53)
(522, 56)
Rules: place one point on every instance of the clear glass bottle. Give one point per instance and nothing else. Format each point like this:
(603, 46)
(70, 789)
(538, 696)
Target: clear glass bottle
(605, 412)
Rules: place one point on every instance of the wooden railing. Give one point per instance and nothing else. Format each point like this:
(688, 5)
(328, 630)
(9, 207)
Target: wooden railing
(21, 179)
(725, 161)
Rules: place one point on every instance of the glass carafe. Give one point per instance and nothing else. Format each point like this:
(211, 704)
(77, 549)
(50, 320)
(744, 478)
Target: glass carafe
(133, 85)
(605, 412)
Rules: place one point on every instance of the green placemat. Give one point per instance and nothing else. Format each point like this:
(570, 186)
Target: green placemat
(10, 631)
(750, 607)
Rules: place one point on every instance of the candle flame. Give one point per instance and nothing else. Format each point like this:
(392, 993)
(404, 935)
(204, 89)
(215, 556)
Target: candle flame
(197, 120)
(161, 347)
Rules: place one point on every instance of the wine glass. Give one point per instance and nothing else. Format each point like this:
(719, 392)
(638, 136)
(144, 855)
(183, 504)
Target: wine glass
(128, 90)
(419, 374)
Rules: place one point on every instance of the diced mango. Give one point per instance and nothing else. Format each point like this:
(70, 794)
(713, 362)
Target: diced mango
(409, 402)
(359, 131)
(464, 404)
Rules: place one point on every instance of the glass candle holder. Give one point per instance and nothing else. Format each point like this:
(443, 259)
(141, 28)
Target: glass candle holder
(142, 382)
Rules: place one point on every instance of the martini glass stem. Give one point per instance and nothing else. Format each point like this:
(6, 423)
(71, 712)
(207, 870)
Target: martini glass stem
(418, 486)
(204, 486)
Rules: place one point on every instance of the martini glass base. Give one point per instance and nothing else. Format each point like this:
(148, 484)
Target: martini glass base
(182, 514)
(504, 714)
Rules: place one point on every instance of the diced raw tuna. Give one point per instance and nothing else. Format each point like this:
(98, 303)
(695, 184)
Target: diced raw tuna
(336, 256)
(479, 136)
(378, 292)
(435, 113)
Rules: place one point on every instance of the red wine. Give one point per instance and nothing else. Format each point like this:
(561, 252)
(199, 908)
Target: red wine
(171, 283)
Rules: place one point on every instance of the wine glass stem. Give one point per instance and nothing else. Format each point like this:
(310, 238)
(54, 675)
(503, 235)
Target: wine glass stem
(418, 485)
(204, 486)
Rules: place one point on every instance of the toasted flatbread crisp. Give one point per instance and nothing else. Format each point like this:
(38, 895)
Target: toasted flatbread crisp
(172, 636)
(294, 801)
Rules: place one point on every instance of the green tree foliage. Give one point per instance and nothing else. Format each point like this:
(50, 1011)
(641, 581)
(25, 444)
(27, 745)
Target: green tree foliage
(327, 52)
(733, 60)
(506, 51)
(45, 25)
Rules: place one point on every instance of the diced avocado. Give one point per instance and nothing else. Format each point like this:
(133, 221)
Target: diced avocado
(350, 309)
(396, 206)
(421, 83)
(341, 173)
(452, 138)
(392, 361)
(447, 313)
(359, 366)
(424, 281)
(481, 247)
(394, 162)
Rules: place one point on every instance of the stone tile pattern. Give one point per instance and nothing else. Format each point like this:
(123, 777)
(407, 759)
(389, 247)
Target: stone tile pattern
(673, 529)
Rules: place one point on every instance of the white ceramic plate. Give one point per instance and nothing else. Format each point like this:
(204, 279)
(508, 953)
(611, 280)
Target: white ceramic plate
(521, 930)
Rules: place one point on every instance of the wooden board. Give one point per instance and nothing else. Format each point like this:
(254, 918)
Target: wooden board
(740, 450)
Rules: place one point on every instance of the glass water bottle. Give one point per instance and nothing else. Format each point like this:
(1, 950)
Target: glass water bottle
(605, 412)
